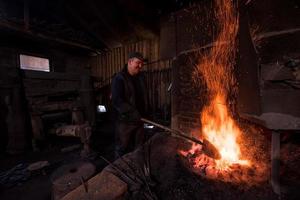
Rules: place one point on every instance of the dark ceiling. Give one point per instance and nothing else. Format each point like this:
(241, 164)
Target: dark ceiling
(97, 24)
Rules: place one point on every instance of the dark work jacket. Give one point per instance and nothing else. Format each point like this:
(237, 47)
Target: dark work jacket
(124, 96)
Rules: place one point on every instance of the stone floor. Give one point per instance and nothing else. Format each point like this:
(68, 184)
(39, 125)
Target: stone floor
(38, 185)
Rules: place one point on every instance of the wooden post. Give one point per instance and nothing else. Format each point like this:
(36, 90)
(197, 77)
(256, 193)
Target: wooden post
(16, 122)
(26, 14)
(121, 58)
(87, 98)
(275, 161)
(106, 68)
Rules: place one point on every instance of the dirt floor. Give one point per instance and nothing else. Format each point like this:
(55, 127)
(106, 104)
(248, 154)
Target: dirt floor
(37, 185)
(172, 180)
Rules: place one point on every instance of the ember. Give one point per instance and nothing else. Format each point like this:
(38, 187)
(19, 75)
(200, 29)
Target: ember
(218, 125)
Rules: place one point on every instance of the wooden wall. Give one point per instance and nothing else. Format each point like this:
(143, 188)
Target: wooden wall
(105, 65)
(158, 72)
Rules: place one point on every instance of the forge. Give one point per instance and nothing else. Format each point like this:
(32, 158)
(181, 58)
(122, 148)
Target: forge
(253, 170)
(215, 70)
(140, 99)
(158, 170)
(172, 168)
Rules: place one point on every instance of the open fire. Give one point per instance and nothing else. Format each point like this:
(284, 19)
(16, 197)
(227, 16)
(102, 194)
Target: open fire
(220, 129)
(218, 126)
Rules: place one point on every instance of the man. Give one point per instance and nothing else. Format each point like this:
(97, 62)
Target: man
(129, 98)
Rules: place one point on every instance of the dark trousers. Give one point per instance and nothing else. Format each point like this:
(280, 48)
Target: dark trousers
(128, 137)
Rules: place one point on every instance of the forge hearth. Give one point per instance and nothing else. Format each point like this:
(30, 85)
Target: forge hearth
(254, 172)
(158, 170)
(265, 89)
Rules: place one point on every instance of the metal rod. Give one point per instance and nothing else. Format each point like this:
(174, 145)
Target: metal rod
(129, 179)
(84, 184)
(175, 132)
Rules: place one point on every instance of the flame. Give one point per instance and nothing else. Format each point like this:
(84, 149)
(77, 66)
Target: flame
(217, 69)
(220, 129)
(243, 156)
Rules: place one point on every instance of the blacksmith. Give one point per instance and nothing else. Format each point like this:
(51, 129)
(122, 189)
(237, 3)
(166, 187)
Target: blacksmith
(129, 98)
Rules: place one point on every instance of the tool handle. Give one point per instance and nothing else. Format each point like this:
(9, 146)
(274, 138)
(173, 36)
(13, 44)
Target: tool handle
(175, 132)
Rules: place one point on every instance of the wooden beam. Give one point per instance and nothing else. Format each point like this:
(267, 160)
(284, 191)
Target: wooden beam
(87, 27)
(107, 25)
(41, 36)
(26, 14)
(276, 33)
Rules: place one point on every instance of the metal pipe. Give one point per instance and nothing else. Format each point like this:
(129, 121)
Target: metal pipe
(175, 132)
(208, 148)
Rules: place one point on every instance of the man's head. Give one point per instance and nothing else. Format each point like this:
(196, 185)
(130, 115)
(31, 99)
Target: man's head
(135, 63)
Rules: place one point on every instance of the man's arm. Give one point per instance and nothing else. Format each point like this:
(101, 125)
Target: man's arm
(124, 108)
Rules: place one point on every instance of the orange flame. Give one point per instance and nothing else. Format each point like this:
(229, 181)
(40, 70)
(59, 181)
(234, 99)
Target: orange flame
(220, 129)
(217, 69)
(243, 156)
